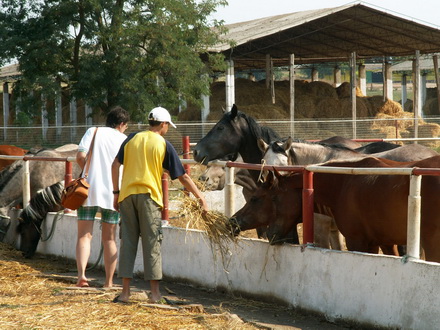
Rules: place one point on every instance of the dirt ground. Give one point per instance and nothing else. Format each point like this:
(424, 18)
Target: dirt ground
(41, 293)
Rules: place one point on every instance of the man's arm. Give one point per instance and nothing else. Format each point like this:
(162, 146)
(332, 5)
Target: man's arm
(115, 178)
(189, 184)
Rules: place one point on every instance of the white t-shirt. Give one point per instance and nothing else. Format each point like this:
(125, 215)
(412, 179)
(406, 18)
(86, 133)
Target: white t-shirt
(107, 143)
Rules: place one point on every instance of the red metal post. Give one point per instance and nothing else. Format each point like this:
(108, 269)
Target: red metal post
(165, 215)
(68, 174)
(186, 153)
(308, 201)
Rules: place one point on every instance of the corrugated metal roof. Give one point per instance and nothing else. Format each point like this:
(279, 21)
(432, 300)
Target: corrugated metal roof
(8, 72)
(327, 35)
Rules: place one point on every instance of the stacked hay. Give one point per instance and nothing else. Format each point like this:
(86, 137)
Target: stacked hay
(388, 107)
(424, 130)
(431, 107)
(316, 99)
(363, 107)
(344, 90)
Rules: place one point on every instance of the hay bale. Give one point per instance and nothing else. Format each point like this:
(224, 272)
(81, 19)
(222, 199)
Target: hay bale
(389, 107)
(425, 130)
(329, 107)
(322, 89)
(344, 90)
(402, 120)
(431, 107)
(301, 87)
(304, 106)
(268, 111)
(386, 132)
(248, 92)
(363, 107)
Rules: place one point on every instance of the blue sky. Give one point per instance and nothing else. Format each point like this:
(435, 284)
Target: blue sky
(426, 11)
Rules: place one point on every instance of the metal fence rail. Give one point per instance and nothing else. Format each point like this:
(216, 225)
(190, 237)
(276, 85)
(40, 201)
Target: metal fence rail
(315, 129)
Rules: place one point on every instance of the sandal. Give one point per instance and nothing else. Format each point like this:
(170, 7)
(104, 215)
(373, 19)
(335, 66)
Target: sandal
(119, 301)
(82, 284)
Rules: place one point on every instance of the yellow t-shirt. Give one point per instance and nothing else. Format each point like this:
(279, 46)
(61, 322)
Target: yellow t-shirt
(144, 155)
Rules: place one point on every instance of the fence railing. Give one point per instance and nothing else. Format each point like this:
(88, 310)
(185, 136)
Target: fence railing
(414, 198)
(307, 129)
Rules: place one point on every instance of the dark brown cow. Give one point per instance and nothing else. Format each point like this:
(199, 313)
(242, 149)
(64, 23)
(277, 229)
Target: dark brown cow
(370, 210)
(10, 150)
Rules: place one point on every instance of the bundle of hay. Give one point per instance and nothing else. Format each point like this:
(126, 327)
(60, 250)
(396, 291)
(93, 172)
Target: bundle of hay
(387, 107)
(214, 223)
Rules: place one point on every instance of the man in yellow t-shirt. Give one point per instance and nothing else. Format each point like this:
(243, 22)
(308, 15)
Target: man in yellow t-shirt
(145, 155)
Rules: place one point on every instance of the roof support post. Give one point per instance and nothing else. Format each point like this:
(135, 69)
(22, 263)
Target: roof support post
(267, 71)
(337, 76)
(363, 79)
(416, 89)
(292, 94)
(315, 74)
(437, 79)
(353, 90)
(388, 82)
(5, 109)
(205, 107)
(404, 91)
(422, 91)
(230, 85)
(272, 82)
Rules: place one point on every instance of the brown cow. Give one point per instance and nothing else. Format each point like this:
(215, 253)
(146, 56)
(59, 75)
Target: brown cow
(370, 210)
(10, 150)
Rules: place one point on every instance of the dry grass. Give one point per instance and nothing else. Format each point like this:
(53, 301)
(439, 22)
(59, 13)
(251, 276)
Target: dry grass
(34, 296)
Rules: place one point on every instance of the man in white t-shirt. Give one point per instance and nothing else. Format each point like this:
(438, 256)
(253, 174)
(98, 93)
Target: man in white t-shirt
(107, 142)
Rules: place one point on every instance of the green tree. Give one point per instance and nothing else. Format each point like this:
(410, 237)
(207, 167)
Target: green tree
(136, 53)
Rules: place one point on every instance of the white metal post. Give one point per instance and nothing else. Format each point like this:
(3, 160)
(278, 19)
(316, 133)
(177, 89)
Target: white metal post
(414, 207)
(230, 85)
(229, 191)
(26, 184)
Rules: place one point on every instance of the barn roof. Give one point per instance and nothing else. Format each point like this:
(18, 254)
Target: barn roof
(327, 35)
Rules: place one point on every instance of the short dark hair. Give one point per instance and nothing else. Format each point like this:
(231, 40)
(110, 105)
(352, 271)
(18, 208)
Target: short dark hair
(154, 123)
(116, 116)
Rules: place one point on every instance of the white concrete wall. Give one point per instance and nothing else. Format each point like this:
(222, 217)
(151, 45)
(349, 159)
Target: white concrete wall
(373, 289)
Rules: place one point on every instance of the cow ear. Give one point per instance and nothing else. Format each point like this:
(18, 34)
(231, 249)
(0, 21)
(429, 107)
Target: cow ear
(262, 145)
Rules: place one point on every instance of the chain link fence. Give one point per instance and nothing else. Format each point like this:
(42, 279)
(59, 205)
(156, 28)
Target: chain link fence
(315, 129)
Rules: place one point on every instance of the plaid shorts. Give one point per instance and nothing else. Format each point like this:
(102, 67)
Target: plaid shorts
(89, 213)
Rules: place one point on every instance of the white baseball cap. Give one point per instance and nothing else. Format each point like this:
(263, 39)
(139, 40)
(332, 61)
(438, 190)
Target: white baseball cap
(161, 114)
